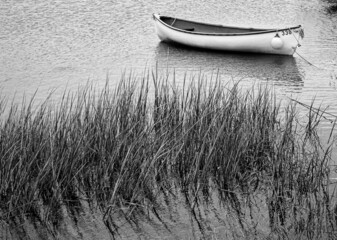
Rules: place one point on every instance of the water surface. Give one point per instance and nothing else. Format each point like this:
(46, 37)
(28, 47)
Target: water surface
(56, 44)
(52, 44)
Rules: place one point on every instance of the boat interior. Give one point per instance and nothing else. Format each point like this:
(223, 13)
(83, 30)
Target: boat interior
(206, 28)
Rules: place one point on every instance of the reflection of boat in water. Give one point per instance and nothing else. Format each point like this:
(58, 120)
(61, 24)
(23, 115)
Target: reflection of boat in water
(282, 41)
(281, 69)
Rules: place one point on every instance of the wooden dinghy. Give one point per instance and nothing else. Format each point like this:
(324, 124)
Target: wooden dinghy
(227, 38)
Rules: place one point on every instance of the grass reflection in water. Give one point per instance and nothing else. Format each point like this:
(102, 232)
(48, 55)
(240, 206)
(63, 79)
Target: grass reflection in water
(126, 149)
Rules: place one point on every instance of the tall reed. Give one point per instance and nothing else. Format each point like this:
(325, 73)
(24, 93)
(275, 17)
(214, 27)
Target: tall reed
(123, 147)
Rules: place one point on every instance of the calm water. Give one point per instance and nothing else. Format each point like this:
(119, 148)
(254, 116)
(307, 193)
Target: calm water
(48, 45)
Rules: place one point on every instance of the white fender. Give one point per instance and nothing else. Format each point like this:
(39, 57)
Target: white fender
(276, 42)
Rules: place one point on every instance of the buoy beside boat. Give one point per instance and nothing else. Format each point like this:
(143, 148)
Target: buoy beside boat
(277, 42)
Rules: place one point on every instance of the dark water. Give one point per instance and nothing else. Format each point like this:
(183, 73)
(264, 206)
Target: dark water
(53, 45)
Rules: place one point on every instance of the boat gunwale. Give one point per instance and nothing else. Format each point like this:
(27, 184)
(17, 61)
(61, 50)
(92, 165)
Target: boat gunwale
(259, 31)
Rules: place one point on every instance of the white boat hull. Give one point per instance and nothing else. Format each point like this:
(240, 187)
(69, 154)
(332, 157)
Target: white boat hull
(261, 42)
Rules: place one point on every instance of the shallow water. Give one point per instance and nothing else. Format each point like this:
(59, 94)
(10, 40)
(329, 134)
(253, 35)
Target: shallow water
(56, 44)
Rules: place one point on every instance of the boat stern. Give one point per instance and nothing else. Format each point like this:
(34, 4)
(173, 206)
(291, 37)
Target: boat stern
(287, 40)
(298, 34)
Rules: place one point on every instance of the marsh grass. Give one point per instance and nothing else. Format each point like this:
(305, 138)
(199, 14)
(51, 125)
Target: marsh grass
(123, 148)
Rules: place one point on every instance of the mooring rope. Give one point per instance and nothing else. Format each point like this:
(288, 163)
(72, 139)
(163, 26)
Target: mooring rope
(317, 110)
(292, 33)
(331, 70)
(307, 61)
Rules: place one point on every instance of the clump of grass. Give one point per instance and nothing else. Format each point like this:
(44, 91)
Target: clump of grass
(122, 148)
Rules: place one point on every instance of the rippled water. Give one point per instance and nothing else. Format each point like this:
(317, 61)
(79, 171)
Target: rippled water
(52, 44)
(48, 45)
